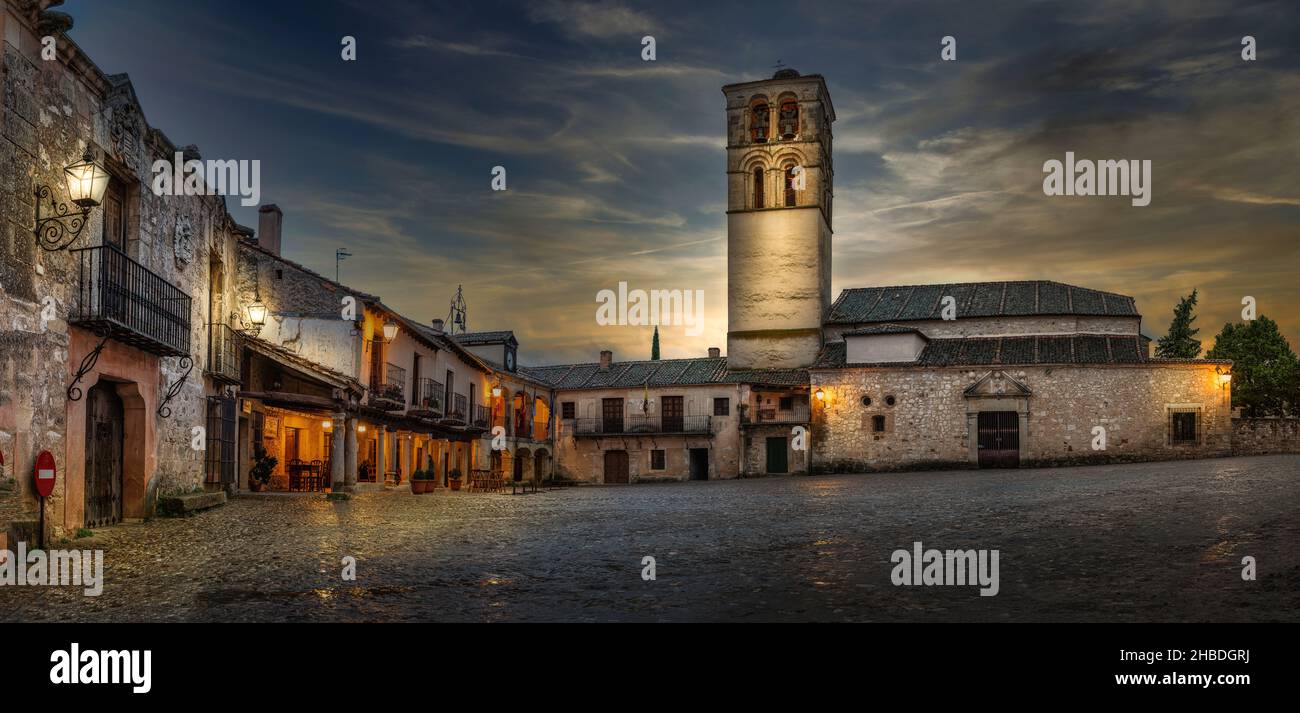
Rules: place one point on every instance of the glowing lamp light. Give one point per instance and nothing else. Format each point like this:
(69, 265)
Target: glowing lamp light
(87, 180)
(361, 428)
(390, 330)
(257, 314)
(327, 425)
(496, 392)
(821, 395)
(1225, 378)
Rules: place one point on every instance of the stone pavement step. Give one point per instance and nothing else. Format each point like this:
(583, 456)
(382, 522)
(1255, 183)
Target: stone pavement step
(179, 505)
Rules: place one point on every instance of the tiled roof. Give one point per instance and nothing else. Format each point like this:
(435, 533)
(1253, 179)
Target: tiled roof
(976, 299)
(882, 329)
(473, 338)
(663, 372)
(770, 377)
(980, 351)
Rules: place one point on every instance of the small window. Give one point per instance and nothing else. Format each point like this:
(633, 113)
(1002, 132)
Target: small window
(1184, 427)
(877, 424)
(722, 407)
(279, 274)
(787, 403)
(567, 409)
(890, 400)
(656, 460)
(758, 188)
(866, 400)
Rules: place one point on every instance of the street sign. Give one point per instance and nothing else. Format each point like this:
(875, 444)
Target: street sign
(45, 474)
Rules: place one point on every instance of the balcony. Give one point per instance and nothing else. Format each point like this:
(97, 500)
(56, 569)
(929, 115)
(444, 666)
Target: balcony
(428, 399)
(638, 424)
(482, 417)
(223, 353)
(388, 389)
(459, 411)
(797, 413)
(118, 296)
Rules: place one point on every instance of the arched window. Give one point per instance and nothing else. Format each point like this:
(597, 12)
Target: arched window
(789, 187)
(758, 123)
(758, 187)
(789, 119)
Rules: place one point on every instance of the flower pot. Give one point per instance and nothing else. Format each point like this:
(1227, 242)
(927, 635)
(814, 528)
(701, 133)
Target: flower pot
(455, 483)
(420, 487)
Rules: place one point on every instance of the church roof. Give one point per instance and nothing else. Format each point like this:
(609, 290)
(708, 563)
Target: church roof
(626, 374)
(477, 338)
(976, 299)
(990, 351)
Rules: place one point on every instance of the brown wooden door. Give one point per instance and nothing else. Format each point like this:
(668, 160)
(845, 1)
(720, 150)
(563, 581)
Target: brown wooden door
(672, 414)
(611, 415)
(104, 417)
(999, 439)
(616, 470)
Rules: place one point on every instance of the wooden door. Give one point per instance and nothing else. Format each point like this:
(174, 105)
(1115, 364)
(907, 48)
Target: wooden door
(999, 439)
(672, 414)
(611, 415)
(699, 464)
(776, 455)
(616, 467)
(104, 418)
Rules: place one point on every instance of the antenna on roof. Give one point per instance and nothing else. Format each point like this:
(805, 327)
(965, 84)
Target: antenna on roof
(340, 255)
(457, 318)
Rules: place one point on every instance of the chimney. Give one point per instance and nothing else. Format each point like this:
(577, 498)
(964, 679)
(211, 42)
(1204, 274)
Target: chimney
(714, 352)
(437, 326)
(269, 219)
(606, 358)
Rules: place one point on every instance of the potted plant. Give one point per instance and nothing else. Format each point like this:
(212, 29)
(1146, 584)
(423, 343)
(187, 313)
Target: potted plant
(422, 482)
(453, 478)
(260, 474)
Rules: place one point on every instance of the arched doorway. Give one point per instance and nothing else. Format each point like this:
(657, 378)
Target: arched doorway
(105, 424)
(542, 465)
(522, 461)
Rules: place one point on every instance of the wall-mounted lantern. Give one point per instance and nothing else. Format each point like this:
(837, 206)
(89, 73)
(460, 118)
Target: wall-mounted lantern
(496, 390)
(390, 330)
(361, 428)
(327, 425)
(86, 182)
(1225, 378)
(821, 395)
(256, 319)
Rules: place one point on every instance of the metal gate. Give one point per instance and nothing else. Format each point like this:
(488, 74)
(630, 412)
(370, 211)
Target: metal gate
(999, 439)
(220, 455)
(104, 417)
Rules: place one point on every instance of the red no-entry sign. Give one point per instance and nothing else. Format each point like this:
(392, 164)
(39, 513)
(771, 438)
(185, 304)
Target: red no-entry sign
(45, 475)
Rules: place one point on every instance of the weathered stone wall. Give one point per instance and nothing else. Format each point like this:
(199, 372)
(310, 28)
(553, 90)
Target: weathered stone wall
(930, 423)
(52, 111)
(1260, 436)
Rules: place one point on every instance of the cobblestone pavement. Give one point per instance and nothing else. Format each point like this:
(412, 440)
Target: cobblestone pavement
(1156, 541)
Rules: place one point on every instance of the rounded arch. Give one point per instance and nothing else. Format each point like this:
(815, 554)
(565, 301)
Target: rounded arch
(787, 116)
(542, 464)
(759, 118)
(522, 467)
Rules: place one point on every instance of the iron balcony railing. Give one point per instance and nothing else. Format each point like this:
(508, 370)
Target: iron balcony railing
(223, 353)
(798, 413)
(428, 396)
(122, 298)
(482, 416)
(390, 385)
(459, 407)
(641, 423)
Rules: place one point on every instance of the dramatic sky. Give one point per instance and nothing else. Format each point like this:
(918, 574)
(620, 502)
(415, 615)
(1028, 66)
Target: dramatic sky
(616, 165)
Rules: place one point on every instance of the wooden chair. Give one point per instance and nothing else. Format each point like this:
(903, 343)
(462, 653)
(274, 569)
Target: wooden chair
(294, 467)
(318, 470)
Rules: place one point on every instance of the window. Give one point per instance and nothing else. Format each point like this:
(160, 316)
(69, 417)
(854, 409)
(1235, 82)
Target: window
(567, 409)
(787, 403)
(789, 187)
(877, 424)
(890, 400)
(115, 230)
(722, 407)
(673, 414)
(1184, 426)
(789, 119)
(758, 188)
(866, 400)
(656, 460)
(758, 123)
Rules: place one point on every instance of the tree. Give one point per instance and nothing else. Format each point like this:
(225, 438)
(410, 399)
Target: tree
(1180, 342)
(1265, 372)
(654, 346)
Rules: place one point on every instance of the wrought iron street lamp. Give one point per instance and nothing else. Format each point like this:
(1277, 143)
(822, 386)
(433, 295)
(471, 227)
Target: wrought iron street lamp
(256, 319)
(86, 182)
(390, 330)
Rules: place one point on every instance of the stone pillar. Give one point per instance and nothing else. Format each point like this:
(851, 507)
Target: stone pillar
(337, 458)
(350, 455)
(381, 455)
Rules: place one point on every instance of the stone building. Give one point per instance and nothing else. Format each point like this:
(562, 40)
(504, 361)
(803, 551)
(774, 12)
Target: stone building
(112, 352)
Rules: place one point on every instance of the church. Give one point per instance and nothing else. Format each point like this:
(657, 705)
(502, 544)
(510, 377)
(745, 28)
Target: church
(967, 375)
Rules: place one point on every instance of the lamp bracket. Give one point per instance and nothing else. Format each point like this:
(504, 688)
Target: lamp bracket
(61, 227)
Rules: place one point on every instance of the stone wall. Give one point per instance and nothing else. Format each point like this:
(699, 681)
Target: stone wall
(932, 423)
(1260, 436)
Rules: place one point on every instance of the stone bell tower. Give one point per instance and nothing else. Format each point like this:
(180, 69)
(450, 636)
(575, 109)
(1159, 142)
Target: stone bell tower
(779, 178)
